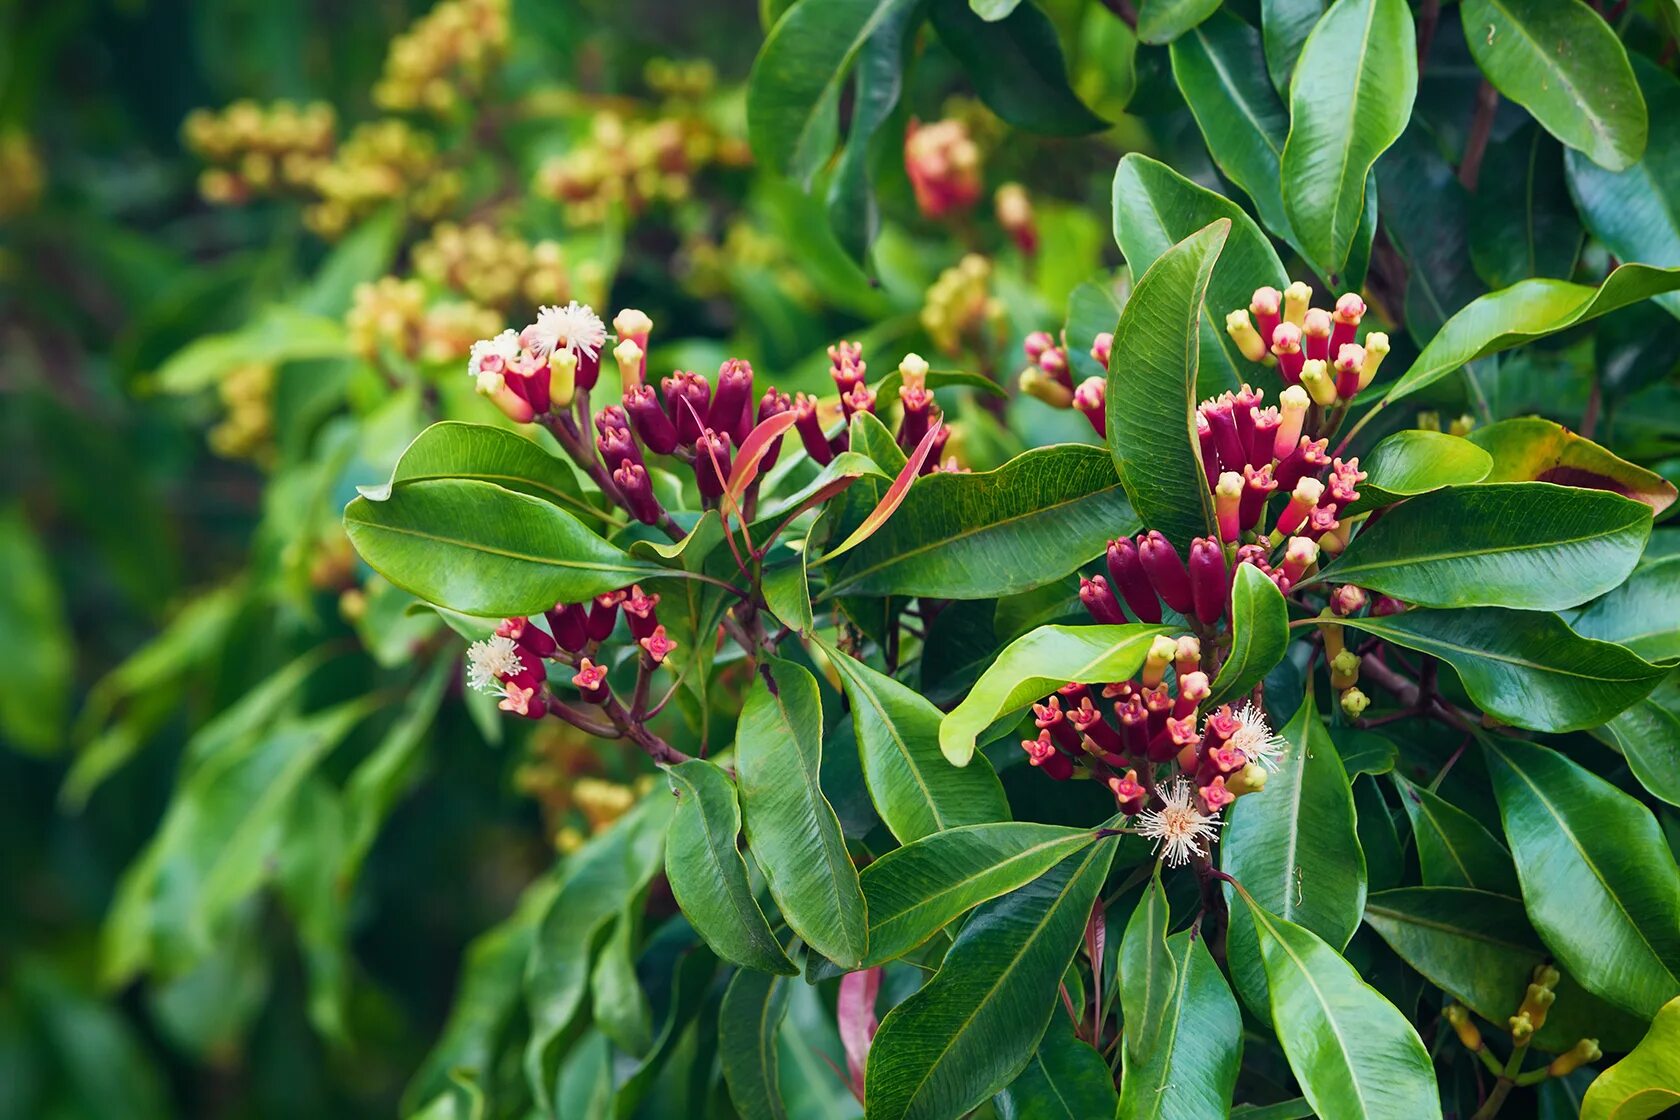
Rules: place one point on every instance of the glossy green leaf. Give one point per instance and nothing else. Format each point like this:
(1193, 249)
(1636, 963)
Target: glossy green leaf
(620, 1007)
(1148, 974)
(1259, 635)
(878, 81)
(455, 450)
(1220, 69)
(982, 535)
(1349, 100)
(479, 549)
(1644, 1083)
(1479, 948)
(917, 890)
(1385, 862)
(1016, 66)
(914, 789)
(1648, 735)
(1354, 1054)
(1415, 462)
(793, 93)
(707, 874)
(1295, 848)
(1523, 667)
(1189, 1071)
(1066, 1080)
(1597, 879)
(1453, 849)
(600, 878)
(1642, 614)
(791, 827)
(749, 1018)
(1559, 60)
(1285, 25)
(1522, 220)
(1152, 388)
(1162, 21)
(1364, 752)
(1636, 212)
(1154, 209)
(34, 689)
(276, 334)
(1534, 449)
(787, 591)
(1035, 665)
(973, 1028)
(1523, 312)
(1529, 545)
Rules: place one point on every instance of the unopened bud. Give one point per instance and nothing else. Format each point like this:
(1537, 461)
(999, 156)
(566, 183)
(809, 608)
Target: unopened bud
(1348, 599)
(1354, 703)
(1165, 568)
(914, 369)
(1583, 1052)
(1227, 505)
(1102, 348)
(1522, 1027)
(633, 325)
(629, 356)
(1350, 359)
(1462, 426)
(1315, 334)
(1376, 349)
(1091, 400)
(1293, 403)
(1209, 579)
(1296, 299)
(1286, 348)
(1242, 332)
(1302, 499)
(1036, 344)
(1468, 1033)
(562, 384)
(1344, 670)
(1316, 380)
(1267, 308)
(1035, 383)
(1350, 309)
(1187, 658)
(1250, 779)
(513, 406)
(1155, 662)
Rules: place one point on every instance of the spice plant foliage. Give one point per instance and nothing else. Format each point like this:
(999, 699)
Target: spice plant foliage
(1011, 684)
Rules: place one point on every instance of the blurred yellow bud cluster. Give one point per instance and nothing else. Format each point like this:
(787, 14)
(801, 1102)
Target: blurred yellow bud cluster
(21, 178)
(960, 308)
(493, 268)
(444, 57)
(563, 776)
(635, 164)
(706, 264)
(381, 161)
(685, 81)
(391, 316)
(246, 430)
(256, 150)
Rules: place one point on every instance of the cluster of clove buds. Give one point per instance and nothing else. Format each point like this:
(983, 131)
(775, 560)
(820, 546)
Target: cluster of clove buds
(1312, 348)
(848, 369)
(1148, 735)
(1049, 377)
(512, 663)
(942, 162)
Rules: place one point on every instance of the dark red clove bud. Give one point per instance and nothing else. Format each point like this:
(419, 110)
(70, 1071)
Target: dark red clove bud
(649, 421)
(640, 612)
(1100, 601)
(1042, 753)
(711, 463)
(731, 409)
(688, 398)
(603, 615)
(633, 482)
(569, 624)
(1165, 568)
(1126, 573)
(1208, 579)
(809, 425)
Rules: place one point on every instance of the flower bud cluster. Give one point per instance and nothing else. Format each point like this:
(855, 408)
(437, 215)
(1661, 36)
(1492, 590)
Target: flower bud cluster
(1014, 209)
(21, 178)
(681, 82)
(380, 162)
(959, 307)
(1251, 454)
(634, 164)
(257, 150)
(246, 430)
(512, 663)
(496, 269)
(707, 265)
(444, 57)
(1169, 763)
(1049, 377)
(392, 316)
(943, 163)
(918, 412)
(1312, 348)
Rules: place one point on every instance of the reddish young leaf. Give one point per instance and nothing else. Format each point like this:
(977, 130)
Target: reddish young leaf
(753, 449)
(854, 1014)
(893, 498)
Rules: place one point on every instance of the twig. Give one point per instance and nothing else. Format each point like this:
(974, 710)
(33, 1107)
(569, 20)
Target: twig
(1481, 125)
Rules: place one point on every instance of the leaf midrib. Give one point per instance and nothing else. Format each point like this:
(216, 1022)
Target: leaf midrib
(1492, 655)
(507, 554)
(1598, 127)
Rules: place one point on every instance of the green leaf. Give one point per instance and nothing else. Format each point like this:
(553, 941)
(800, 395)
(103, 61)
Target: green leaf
(1285, 25)
(1016, 66)
(1597, 879)
(621, 1009)
(793, 92)
(1636, 212)
(983, 535)
(1155, 208)
(1533, 449)
(917, 890)
(1152, 393)
(1220, 69)
(1364, 752)
(1148, 973)
(1415, 462)
(452, 449)
(1066, 1080)
(364, 255)
(791, 827)
(600, 879)
(973, 1028)
(1353, 1052)
(1645, 1082)
(275, 336)
(879, 81)
(1259, 635)
(787, 591)
(1523, 312)
(1035, 665)
(1529, 545)
(1524, 668)
(1162, 21)
(1559, 60)
(1349, 100)
(707, 874)
(1479, 948)
(1642, 614)
(479, 549)
(1190, 1070)
(1295, 848)
(1453, 849)
(1648, 735)
(914, 789)
(1522, 220)
(35, 688)
(752, 1012)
